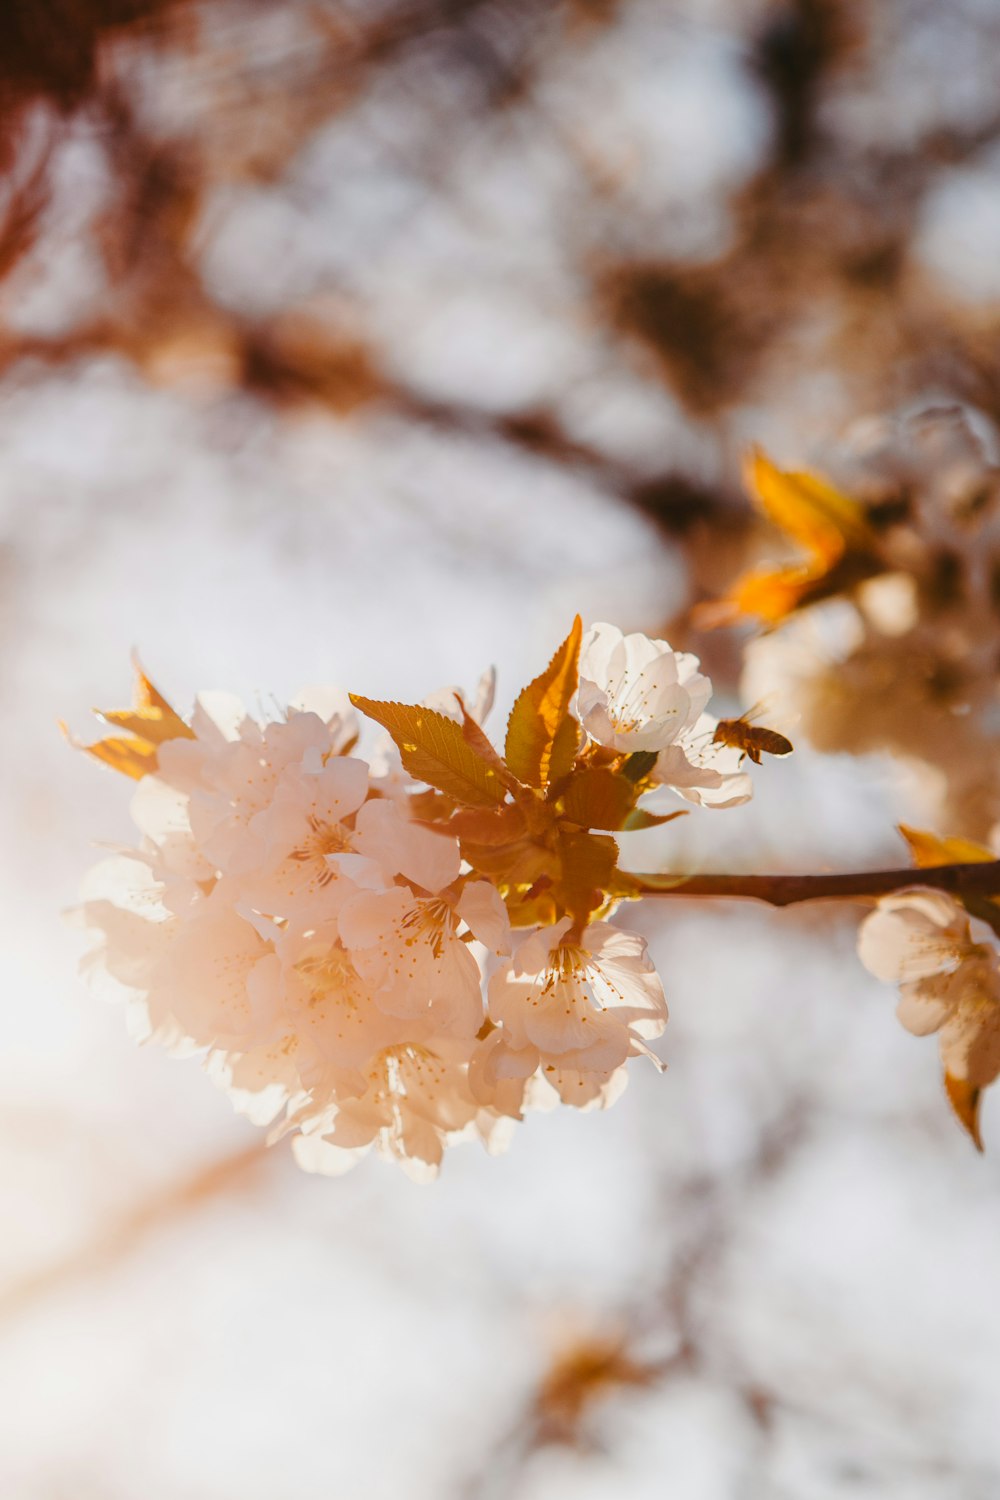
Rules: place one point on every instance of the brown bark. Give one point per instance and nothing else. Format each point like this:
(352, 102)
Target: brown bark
(962, 881)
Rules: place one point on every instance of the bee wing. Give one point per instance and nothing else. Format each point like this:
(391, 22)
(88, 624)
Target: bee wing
(772, 742)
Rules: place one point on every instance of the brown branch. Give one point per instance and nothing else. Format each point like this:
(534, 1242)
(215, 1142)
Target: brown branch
(966, 880)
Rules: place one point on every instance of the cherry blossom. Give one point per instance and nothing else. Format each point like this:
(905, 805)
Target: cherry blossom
(294, 837)
(416, 1102)
(639, 694)
(636, 693)
(949, 977)
(575, 1007)
(304, 933)
(409, 950)
(701, 771)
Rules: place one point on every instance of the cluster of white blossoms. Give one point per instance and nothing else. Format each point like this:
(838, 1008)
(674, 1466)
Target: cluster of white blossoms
(413, 949)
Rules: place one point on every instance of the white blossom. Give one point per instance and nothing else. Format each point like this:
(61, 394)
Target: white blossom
(575, 1008)
(636, 693)
(290, 919)
(701, 771)
(949, 977)
(639, 694)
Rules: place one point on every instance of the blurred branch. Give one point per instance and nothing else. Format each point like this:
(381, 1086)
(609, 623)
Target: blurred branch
(173, 1202)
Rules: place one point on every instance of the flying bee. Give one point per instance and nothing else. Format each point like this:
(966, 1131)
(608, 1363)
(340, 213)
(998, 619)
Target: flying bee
(751, 740)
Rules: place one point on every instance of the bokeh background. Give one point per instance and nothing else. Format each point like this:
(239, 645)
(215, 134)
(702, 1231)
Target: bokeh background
(366, 341)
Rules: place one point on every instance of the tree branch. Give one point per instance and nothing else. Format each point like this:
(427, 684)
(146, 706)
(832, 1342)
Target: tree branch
(966, 880)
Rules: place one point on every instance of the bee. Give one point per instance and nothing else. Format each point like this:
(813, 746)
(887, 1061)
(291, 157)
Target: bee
(751, 740)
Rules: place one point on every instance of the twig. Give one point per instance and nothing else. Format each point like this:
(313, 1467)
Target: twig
(119, 1239)
(788, 890)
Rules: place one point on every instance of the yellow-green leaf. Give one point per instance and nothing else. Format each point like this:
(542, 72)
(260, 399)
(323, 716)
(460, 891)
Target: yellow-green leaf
(147, 723)
(766, 594)
(640, 819)
(542, 736)
(480, 744)
(808, 509)
(964, 1098)
(929, 849)
(595, 797)
(132, 757)
(589, 861)
(433, 749)
(565, 746)
(151, 721)
(518, 864)
(151, 717)
(493, 827)
(830, 527)
(535, 910)
(431, 807)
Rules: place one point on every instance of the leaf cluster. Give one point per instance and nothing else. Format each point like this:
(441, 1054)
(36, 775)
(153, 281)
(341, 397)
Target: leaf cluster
(537, 820)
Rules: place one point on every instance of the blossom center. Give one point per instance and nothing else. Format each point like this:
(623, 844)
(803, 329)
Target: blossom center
(323, 839)
(567, 962)
(630, 705)
(430, 922)
(332, 974)
(398, 1071)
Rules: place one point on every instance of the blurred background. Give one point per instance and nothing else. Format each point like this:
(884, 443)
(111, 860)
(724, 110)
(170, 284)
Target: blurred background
(365, 341)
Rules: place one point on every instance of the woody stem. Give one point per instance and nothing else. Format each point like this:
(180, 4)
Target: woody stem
(964, 880)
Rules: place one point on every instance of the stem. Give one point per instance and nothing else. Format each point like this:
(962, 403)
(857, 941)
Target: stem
(788, 890)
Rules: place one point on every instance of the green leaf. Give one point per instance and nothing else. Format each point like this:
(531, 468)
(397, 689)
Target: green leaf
(542, 736)
(433, 749)
(596, 798)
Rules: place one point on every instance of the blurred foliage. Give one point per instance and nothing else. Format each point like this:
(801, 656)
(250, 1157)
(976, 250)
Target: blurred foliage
(807, 293)
(828, 214)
